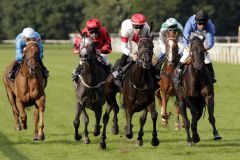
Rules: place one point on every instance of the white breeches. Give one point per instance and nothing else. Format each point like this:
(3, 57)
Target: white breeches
(104, 59)
(207, 59)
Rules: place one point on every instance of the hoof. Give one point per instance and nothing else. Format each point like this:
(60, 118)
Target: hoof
(41, 137)
(115, 129)
(164, 122)
(35, 138)
(103, 146)
(217, 137)
(129, 136)
(18, 128)
(24, 126)
(96, 133)
(177, 126)
(78, 137)
(86, 140)
(155, 142)
(190, 144)
(196, 138)
(139, 143)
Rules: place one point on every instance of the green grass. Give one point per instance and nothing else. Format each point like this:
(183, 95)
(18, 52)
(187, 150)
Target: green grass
(60, 108)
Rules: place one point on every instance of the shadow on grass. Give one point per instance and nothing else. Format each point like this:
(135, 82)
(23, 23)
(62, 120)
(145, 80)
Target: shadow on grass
(7, 148)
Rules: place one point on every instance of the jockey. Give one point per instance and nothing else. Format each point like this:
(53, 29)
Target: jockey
(28, 34)
(131, 29)
(99, 34)
(171, 25)
(201, 24)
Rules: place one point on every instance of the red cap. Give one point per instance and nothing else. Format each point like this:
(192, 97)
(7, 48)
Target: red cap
(138, 19)
(93, 23)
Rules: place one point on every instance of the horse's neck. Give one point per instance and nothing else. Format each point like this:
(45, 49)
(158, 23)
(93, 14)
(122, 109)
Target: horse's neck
(91, 72)
(138, 75)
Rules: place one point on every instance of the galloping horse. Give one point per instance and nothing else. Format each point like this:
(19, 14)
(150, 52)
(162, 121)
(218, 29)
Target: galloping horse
(27, 89)
(138, 94)
(166, 89)
(89, 88)
(196, 91)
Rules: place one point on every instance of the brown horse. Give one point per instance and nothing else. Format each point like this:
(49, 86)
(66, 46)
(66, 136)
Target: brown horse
(166, 89)
(138, 94)
(89, 88)
(196, 91)
(28, 89)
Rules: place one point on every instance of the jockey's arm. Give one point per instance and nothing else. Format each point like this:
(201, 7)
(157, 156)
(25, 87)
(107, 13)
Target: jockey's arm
(106, 48)
(19, 48)
(210, 28)
(76, 47)
(124, 46)
(186, 34)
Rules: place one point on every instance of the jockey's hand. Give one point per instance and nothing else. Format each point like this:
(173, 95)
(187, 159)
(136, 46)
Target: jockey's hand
(98, 51)
(134, 56)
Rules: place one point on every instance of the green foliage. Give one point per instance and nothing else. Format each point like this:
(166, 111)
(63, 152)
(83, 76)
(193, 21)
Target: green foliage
(60, 109)
(56, 19)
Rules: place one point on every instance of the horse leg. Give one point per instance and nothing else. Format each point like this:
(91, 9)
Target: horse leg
(105, 122)
(195, 117)
(154, 115)
(86, 122)
(183, 111)
(12, 100)
(36, 119)
(76, 121)
(210, 105)
(41, 108)
(177, 123)
(129, 133)
(115, 127)
(163, 110)
(142, 121)
(23, 115)
(98, 115)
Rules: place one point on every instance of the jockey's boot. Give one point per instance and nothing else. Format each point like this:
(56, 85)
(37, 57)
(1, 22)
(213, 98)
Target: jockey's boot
(179, 72)
(13, 71)
(44, 70)
(118, 75)
(210, 69)
(77, 72)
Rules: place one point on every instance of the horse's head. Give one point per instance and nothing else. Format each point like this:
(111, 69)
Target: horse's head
(87, 50)
(145, 52)
(171, 50)
(31, 56)
(197, 52)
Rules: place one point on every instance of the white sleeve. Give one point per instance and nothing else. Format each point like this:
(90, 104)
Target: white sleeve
(125, 33)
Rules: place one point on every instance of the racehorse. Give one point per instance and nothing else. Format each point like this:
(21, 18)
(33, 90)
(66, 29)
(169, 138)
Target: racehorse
(138, 94)
(27, 89)
(166, 89)
(196, 91)
(89, 88)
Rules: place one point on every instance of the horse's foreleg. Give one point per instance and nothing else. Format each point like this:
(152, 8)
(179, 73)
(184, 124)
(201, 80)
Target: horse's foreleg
(129, 133)
(23, 115)
(195, 117)
(105, 122)
(86, 122)
(183, 110)
(210, 105)
(12, 100)
(39, 117)
(164, 113)
(76, 121)
(98, 115)
(142, 122)
(154, 115)
(115, 128)
(36, 119)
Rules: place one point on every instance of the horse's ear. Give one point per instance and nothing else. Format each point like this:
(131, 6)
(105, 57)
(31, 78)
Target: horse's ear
(152, 36)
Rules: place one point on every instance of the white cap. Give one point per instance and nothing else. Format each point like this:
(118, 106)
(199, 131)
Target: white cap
(28, 32)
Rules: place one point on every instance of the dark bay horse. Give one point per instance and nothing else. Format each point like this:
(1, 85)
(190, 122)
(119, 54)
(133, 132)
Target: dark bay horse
(89, 88)
(28, 89)
(166, 89)
(196, 91)
(138, 94)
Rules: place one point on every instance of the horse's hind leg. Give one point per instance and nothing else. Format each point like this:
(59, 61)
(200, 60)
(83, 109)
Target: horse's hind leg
(12, 100)
(86, 122)
(76, 121)
(129, 115)
(142, 121)
(210, 102)
(154, 115)
(36, 120)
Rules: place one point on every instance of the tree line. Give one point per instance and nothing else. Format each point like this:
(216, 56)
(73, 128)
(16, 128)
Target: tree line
(55, 19)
